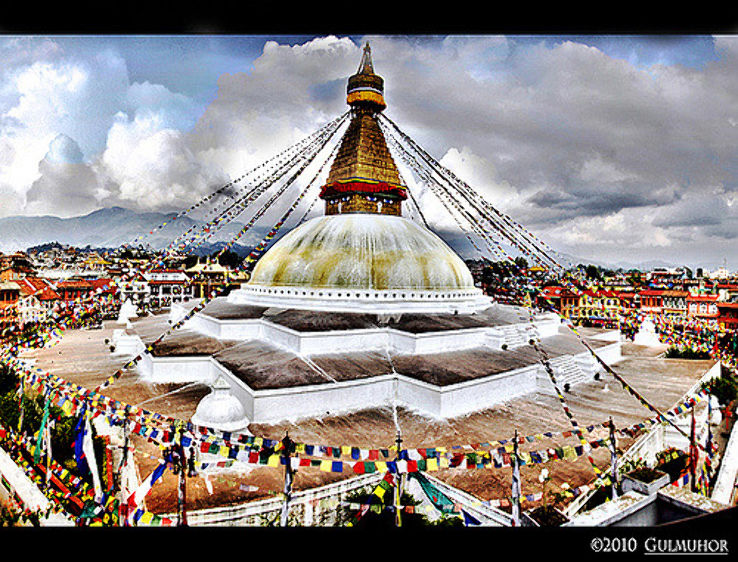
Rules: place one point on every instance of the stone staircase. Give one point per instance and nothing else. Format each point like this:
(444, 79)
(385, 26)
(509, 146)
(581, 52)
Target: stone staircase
(513, 336)
(566, 371)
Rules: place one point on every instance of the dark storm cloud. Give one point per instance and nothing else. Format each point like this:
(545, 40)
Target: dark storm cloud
(592, 142)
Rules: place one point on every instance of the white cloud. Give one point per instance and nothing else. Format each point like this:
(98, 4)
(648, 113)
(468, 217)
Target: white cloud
(151, 165)
(66, 185)
(590, 150)
(599, 170)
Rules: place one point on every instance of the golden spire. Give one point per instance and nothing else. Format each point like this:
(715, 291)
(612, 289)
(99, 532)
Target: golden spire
(366, 89)
(366, 66)
(363, 177)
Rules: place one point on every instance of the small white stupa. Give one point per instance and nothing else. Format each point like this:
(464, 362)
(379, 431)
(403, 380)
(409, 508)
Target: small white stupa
(647, 334)
(717, 416)
(127, 311)
(221, 409)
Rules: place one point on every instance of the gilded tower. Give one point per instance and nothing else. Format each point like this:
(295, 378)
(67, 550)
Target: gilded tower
(364, 177)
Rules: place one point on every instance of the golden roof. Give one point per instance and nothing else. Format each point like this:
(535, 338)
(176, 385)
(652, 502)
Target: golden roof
(363, 153)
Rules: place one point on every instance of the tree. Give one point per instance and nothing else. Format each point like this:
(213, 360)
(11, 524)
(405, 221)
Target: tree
(229, 259)
(724, 388)
(592, 272)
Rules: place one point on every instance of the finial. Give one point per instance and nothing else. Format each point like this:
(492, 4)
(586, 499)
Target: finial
(366, 66)
(365, 88)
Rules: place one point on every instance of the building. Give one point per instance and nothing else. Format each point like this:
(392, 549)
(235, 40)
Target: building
(15, 266)
(674, 303)
(167, 286)
(206, 277)
(598, 307)
(9, 295)
(651, 300)
(135, 290)
(727, 291)
(94, 262)
(562, 299)
(702, 306)
(666, 277)
(37, 299)
(727, 315)
(73, 291)
(629, 300)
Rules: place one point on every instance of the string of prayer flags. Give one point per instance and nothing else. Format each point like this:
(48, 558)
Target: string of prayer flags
(385, 484)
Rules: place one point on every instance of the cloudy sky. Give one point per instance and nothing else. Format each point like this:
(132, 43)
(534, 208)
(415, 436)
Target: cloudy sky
(610, 148)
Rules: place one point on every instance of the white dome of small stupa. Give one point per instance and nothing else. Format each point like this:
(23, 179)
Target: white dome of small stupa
(127, 311)
(221, 409)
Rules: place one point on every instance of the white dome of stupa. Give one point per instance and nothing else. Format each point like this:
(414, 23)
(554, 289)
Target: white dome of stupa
(221, 409)
(127, 311)
(362, 262)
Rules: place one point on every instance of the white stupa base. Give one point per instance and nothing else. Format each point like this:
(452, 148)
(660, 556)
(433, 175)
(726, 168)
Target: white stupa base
(647, 335)
(368, 301)
(127, 311)
(232, 427)
(221, 409)
(292, 403)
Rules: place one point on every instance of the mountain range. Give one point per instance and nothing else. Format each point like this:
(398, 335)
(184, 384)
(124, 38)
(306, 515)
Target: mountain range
(114, 226)
(109, 228)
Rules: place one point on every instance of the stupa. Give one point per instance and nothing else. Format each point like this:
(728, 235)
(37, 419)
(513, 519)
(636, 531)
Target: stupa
(361, 306)
(363, 255)
(351, 312)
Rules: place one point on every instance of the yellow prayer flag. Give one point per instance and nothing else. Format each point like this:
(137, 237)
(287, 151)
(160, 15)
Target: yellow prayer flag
(569, 452)
(326, 466)
(146, 518)
(345, 450)
(273, 460)
(431, 464)
(381, 466)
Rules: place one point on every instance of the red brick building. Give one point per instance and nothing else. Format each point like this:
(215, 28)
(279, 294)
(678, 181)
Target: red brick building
(9, 295)
(651, 300)
(72, 290)
(728, 315)
(37, 298)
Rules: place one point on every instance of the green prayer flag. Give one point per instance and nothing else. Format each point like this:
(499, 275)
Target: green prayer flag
(39, 440)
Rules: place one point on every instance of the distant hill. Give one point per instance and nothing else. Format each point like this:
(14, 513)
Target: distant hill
(109, 227)
(114, 226)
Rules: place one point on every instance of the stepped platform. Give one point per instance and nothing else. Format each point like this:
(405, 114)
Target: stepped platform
(286, 364)
(82, 357)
